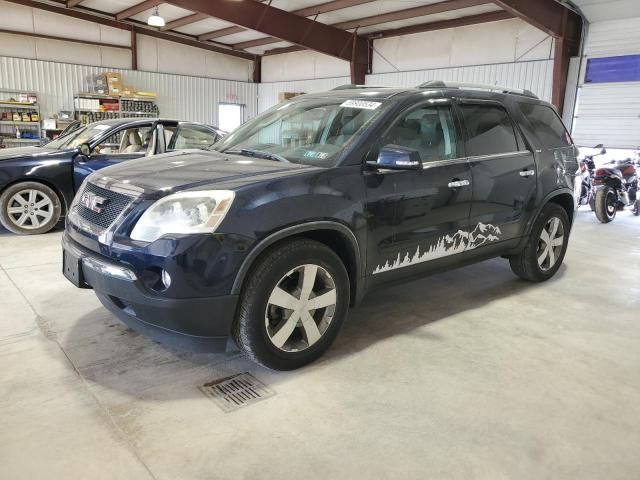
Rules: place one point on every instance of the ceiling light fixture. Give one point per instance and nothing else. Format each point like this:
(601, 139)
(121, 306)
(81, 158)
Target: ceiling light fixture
(156, 20)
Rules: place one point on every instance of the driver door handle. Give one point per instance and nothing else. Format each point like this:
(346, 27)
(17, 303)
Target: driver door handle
(527, 173)
(459, 183)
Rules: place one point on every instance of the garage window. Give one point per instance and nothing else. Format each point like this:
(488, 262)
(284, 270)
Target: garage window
(489, 130)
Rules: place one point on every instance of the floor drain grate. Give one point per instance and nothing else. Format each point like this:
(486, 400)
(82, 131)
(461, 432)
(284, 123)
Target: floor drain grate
(237, 391)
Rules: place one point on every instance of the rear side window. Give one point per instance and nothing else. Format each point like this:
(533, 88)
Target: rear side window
(546, 125)
(489, 129)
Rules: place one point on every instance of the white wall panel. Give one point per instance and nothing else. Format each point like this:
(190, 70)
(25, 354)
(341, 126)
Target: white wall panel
(615, 37)
(302, 65)
(609, 113)
(179, 96)
(154, 55)
(268, 92)
(536, 76)
(505, 41)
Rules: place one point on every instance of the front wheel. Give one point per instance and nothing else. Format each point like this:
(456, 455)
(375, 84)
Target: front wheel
(29, 208)
(606, 205)
(292, 306)
(544, 252)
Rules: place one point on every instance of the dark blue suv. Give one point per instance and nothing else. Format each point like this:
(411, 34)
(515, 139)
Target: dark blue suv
(272, 235)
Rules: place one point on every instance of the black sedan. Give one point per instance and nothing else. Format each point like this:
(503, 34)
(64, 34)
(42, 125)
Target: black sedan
(37, 184)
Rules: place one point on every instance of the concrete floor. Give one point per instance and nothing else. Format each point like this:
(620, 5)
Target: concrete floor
(468, 374)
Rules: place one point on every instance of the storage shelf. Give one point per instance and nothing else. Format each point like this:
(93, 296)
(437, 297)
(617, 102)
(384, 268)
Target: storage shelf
(19, 106)
(19, 140)
(111, 97)
(11, 122)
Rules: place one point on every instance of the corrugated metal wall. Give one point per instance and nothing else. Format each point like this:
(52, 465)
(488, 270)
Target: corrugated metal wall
(179, 96)
(536, 76)
(268, 92)
(609, 113)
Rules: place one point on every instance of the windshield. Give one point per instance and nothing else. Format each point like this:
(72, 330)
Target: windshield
(311, 131)
(79, 136)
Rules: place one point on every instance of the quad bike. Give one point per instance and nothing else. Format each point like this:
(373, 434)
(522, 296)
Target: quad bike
(616, 187)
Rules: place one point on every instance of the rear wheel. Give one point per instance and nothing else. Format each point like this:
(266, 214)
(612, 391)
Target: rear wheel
(606, 205)
(293, 304)
(29, 208)
(544, 252)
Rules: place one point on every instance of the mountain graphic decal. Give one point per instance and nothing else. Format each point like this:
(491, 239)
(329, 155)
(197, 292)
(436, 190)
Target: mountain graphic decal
(445, 246)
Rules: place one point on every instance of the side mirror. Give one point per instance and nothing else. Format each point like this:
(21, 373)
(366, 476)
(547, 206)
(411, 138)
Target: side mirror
(397, 157)
(85, 149)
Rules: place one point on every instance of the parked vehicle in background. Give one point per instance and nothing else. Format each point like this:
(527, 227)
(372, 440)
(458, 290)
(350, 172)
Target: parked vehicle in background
(37, 184)
(616, 186)
(585, 188)
(291, 219)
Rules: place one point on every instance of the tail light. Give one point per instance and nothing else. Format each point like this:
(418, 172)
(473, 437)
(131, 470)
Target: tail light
(601, 172)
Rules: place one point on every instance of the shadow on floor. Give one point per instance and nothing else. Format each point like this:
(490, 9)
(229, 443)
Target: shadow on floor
(106, 352)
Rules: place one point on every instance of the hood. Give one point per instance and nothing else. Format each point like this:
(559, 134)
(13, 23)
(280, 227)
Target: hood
(20, 152)
(194, 169)
(37, 153)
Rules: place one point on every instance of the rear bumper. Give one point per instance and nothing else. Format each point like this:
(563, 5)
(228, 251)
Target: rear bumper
(199, 324)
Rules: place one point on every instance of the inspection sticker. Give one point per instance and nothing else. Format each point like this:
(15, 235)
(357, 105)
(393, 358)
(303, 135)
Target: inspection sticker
(361, 104)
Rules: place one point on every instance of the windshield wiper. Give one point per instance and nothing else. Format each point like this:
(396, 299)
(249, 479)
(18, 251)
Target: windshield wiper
(259, 154)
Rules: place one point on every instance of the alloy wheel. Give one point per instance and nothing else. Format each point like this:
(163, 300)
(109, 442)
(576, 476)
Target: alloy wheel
(550, 244)
(30, 209)
(300, 308)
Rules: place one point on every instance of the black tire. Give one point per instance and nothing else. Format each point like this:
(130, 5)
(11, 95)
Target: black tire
(606, 207)
(525, 264)
(592, 203)
(636, 208)
(35, 223)
(250, 328)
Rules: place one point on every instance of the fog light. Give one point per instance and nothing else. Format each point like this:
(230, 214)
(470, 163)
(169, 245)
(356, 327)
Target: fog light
(166, 279)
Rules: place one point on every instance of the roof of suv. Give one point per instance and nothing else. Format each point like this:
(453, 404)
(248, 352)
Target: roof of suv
(454, 89)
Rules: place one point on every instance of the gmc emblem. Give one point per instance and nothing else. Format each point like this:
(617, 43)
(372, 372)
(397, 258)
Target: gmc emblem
(93, 202)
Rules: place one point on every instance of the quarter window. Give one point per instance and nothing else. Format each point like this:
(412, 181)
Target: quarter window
(547, 125)
(489, 129)
(429, 130)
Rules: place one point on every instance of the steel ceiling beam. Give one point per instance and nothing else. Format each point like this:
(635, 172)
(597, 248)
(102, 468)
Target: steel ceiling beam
(563, 24)
(547, 15)
(304, 12)
(421, 11)
(223, 32)
(443, 24)
(138, 8)
(285, 26)
(181, 22)
(73, 3)
(138, 27)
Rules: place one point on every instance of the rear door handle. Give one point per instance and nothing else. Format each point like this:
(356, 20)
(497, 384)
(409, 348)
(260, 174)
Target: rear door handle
(459, 183)
(527, 173)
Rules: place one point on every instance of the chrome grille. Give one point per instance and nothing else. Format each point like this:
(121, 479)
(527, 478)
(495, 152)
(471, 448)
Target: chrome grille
(113, 206)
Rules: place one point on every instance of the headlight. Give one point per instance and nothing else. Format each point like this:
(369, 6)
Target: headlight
(187, 212)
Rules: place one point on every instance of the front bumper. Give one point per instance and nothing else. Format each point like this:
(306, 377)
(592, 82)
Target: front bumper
(198, 324)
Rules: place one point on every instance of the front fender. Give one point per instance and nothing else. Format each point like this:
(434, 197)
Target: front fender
(291, 231)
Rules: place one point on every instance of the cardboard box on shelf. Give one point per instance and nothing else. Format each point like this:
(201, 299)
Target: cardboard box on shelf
(284, 96)
(115, 89)
(49, 124)
(113, 77)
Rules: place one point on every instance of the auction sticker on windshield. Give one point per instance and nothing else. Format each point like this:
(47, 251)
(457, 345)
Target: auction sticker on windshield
(364, 104)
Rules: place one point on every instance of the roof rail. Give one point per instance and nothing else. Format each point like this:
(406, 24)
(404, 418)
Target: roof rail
(358, 87)
(478, 86)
